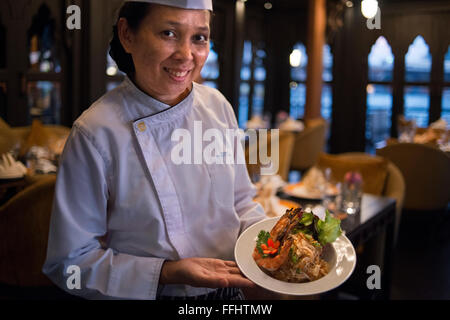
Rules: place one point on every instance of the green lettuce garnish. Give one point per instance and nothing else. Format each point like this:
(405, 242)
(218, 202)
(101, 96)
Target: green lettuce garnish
(329, 229)
(307, 219)
(263, 237)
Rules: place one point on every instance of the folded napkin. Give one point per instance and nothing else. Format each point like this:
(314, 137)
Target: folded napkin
(406, 136)
(445, 147)
(44, 166)
(267, 189)
(439, 124)
(256, 122)
(274, 181)
(292, 125)
(429, 136)
(315, 181)
(11, 169)
(37, 152)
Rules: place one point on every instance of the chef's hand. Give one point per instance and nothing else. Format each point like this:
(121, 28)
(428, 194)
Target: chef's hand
(203, 272)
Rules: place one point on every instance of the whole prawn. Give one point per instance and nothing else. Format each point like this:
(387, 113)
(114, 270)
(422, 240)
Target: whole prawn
(273, 263)
(280, 232)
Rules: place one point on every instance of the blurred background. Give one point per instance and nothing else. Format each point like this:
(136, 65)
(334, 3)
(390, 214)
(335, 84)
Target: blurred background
(266, 58)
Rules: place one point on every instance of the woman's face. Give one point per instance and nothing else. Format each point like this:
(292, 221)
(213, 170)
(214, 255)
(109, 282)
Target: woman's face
(169, 50)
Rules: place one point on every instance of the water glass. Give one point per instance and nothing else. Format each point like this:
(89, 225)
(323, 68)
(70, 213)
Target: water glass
(351, 193)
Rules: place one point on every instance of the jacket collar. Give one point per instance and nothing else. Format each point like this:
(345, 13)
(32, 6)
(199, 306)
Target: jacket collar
(140, 105)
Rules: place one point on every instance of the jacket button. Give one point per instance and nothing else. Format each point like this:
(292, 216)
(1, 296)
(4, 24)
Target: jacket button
(141, 126)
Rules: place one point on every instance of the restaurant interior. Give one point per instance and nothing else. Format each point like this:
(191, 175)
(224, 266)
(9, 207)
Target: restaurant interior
(358, 90)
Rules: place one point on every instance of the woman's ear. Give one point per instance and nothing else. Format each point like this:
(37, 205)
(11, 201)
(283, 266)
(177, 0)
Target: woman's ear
(126, 35)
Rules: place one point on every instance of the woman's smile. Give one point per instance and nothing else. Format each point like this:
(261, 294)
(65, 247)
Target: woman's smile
(178, 75)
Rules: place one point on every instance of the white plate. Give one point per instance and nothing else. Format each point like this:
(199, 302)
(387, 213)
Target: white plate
(340, 256)
(299, 190)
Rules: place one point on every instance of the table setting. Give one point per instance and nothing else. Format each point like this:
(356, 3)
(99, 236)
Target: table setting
(436, 134)
(359, 215)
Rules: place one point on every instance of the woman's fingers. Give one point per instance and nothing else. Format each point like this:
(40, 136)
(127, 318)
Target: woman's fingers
(214, 273)
(230, 263)
(239, 281)
(234, 271)
(236, 277)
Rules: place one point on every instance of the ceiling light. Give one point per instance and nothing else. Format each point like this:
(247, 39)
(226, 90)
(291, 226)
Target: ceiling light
(268, 5)
(369, 8)
(295, 58)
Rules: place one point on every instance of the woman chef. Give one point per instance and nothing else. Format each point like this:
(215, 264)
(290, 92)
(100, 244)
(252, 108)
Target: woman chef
(137, 224)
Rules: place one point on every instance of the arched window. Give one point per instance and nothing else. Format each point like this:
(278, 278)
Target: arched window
(327, 76)
(211, 71)
(298, 61)
(447, 66)
(379, 93)
(43, 52)
(445, 112)
(417, 78)
(253, 77)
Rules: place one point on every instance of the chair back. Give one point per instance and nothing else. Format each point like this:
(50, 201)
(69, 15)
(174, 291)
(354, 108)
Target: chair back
(286, 142)
(426, 171)
(394, 186)
(308, 145)
(282, 162)
(24, 227)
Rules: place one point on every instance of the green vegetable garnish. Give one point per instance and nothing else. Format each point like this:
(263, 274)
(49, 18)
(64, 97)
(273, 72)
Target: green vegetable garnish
(307, 219)
(293, 256)
(329, 229)
(263, 237)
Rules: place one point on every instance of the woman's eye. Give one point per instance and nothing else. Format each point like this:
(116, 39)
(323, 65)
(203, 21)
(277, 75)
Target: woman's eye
(201, 38)
(168, 33)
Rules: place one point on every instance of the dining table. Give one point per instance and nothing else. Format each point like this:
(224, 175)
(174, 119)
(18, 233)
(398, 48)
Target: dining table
(371, 226)
(10, 187)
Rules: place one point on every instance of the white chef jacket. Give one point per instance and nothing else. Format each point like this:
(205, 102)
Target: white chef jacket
(122, 206)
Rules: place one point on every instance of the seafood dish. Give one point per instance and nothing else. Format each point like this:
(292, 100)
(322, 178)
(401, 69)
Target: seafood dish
(292, 250)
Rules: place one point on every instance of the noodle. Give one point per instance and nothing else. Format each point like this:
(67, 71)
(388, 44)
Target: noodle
(307, 266)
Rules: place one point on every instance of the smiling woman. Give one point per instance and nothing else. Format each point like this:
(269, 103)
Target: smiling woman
(164, 48)
(136, 223)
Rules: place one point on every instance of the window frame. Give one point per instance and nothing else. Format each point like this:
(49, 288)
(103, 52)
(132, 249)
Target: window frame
(390, 83)
(427, 84)
(252, 82)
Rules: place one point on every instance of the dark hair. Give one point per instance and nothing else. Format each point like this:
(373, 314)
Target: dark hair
(134, 12)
